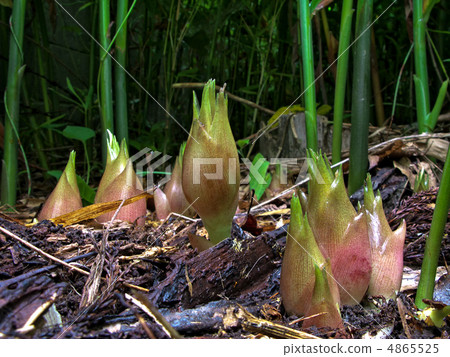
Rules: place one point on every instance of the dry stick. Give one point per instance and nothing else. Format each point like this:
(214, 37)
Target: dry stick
(93, 211)
(59, 261)
(231, 96)
(141, 320)
(403, 138)
(268, 328)
(145, 304)
(41, 252)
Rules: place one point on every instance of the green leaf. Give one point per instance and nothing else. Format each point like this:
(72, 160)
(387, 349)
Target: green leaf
(73, 91)
(87, 193)
(324, 109)
(421, 105)
(256, 184)
(313, 4)
(55, 173)
(284, 111)
(421, 182)
(52, 124)
(433, 116)
(252, 90)
(428, 6)
(242, 143)
(85, 6)
(78, 133)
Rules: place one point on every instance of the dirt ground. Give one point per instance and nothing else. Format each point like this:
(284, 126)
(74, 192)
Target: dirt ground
(149, 282)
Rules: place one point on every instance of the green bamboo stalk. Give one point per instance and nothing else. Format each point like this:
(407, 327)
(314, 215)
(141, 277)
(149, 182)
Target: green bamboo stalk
(12, 103)
(105, 76)
(304, 16)
(4, 35)
(120, 83)
(426, 120)
(326, 28)
(341, 77)
(434, 240)
(420, 62)
(106, 105)
(359, 149)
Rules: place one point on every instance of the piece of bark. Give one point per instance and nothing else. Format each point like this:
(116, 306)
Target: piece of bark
(207, 318)
(20, 300)
(232, 268)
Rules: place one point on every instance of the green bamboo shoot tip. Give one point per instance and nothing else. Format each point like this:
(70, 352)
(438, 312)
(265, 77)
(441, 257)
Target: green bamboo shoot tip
(208, 107)
(296, 213)
(112, 146)
(70, 167)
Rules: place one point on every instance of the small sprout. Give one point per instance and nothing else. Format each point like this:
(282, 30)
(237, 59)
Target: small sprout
(65, 197)
(279, 181)
(119, 181)
(434, 316)
(421, 182)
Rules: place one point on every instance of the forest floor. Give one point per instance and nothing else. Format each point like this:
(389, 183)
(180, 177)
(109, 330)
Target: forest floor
(149, 282)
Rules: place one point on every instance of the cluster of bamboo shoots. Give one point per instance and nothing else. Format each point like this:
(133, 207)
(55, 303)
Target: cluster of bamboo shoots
(335, 255)
(119, 181)
(209, 151)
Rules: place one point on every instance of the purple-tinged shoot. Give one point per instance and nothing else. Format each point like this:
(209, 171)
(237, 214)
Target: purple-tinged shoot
(340, 232)
(116, 161)
(162, 206)
(300, 256)
(65, 197)
(386, 247)
(119, 181)
(174, 189)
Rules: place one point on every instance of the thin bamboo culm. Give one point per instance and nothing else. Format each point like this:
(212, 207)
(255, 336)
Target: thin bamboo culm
(12, 103)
